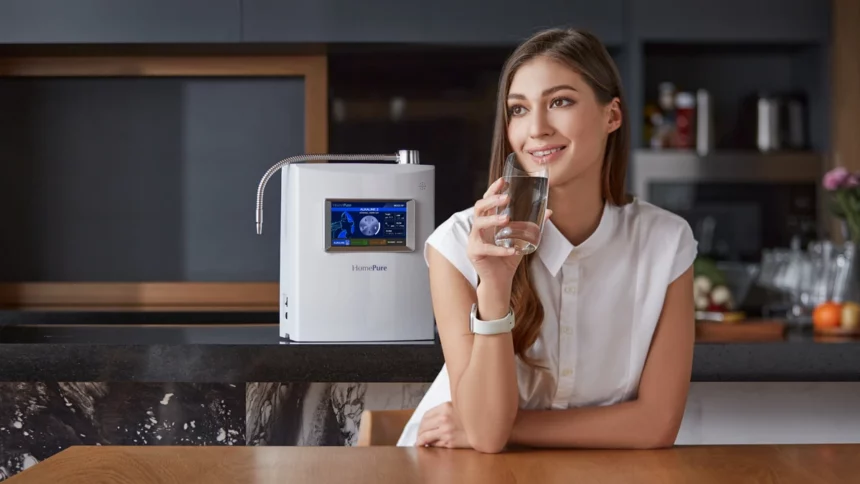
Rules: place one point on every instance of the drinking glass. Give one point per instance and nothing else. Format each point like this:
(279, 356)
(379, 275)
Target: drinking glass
(527, 198)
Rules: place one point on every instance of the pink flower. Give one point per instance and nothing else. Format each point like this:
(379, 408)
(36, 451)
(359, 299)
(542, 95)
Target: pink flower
(852, 181)
(836, 178)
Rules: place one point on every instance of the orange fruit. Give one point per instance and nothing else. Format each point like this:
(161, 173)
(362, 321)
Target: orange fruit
(827, 315)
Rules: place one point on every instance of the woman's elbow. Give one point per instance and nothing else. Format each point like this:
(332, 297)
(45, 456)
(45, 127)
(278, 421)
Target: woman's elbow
(489, 440)
(657, 440)
(489, 444)
(663, 435)
(661, 442)
(490, 432)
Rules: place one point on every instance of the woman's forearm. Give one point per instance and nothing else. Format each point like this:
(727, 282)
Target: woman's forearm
(487, 397)
(630, 425)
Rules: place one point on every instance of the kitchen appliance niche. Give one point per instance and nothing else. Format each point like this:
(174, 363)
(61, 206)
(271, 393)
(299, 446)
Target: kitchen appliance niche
(128, 181)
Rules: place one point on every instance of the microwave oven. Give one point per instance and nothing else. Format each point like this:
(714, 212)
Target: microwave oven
(737, 203)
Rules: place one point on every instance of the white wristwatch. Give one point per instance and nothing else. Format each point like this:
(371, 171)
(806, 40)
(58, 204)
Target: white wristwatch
(497, 326)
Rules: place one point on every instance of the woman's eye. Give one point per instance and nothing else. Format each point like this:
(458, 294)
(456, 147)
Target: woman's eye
(560, 102)
(515, 110)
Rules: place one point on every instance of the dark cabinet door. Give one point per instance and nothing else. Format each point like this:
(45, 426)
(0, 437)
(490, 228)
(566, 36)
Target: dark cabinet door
(335, 20)
(119, 21)
(788, 21)
(143, 178)
(511, 21)
(439, 22)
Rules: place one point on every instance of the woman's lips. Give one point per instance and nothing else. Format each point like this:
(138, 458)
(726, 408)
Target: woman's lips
(546, 154)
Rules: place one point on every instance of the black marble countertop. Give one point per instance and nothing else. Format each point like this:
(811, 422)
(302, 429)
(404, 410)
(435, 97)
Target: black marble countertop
(245, 347)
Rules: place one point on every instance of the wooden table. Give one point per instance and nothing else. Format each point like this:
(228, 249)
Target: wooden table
(322, 465)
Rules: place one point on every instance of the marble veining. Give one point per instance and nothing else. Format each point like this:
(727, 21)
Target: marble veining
(40, 419)
(320, 413)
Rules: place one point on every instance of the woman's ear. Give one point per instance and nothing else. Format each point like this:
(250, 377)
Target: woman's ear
(614, 115)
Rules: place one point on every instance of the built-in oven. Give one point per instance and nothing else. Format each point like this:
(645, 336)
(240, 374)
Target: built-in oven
(737, 203)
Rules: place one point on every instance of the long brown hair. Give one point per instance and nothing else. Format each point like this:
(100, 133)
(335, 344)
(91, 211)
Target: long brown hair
(586, 55)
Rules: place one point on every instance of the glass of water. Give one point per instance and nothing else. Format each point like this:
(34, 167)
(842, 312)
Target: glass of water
(527, 197)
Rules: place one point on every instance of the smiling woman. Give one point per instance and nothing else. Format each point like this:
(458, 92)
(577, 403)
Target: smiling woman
(600, 349)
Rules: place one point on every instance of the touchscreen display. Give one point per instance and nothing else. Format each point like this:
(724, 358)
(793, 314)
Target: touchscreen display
(370, 224)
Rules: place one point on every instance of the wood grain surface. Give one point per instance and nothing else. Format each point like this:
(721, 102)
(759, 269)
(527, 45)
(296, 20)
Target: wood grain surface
(322, 465)
(845, 84)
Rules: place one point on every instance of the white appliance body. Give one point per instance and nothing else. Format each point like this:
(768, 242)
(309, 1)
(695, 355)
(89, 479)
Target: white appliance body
(352, 253)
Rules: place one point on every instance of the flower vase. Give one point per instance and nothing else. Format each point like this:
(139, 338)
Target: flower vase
(846, 287)
(843, 275)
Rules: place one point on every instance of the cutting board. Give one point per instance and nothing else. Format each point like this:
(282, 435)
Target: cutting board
(741, 331)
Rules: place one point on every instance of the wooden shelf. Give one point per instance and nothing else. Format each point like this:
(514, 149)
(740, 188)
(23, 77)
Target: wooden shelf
(142, 296)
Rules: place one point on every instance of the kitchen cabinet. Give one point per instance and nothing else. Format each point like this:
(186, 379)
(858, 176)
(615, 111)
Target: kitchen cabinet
(144, 179)
(132, 177)
(846, 84)
(335, 21)
(392, 21)
(119, 21)
(511, 21)
(789, 21)
(440, 22)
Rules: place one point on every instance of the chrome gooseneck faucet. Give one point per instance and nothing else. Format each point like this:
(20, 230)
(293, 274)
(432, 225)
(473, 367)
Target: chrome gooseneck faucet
(403, 157)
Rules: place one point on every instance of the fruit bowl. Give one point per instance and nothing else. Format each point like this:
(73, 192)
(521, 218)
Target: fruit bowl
(838, 331)
(837, 318)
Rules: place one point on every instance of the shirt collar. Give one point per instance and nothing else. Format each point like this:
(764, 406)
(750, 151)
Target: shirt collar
(555, 249)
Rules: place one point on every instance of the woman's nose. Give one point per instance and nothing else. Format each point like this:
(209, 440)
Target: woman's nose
(540, 125)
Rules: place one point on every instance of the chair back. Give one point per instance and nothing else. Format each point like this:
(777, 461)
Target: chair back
(382, 427)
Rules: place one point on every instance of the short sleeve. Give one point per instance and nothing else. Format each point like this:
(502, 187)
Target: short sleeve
(687, 249)
(451, 239)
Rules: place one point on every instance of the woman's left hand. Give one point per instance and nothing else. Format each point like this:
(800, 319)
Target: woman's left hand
(441, 427)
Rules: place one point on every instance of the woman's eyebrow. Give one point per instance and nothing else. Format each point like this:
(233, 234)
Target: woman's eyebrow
(546, 92)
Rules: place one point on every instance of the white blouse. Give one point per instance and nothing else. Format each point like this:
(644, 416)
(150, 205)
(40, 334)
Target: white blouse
(601, 301)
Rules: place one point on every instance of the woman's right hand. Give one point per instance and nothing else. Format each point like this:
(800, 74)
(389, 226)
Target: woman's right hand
(494, 264)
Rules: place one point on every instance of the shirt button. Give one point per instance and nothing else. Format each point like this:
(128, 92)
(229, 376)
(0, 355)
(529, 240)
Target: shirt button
(566, 329)
(570, 288)
(566, 372)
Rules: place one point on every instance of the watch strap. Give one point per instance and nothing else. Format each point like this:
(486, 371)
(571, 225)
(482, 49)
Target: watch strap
(496, 326)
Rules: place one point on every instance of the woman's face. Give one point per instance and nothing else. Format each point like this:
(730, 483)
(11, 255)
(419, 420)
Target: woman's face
(556, 120)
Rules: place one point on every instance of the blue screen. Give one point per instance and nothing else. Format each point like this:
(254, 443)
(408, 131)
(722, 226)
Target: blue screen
(368, 224)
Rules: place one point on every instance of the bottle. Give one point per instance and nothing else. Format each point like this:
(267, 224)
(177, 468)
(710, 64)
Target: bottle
(666, 99)
(704, 123)
(685, 110)
(664, 133)
(767, 129)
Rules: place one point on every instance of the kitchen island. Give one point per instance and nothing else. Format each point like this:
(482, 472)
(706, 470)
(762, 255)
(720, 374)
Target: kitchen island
(186, 378)
(246, 347)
